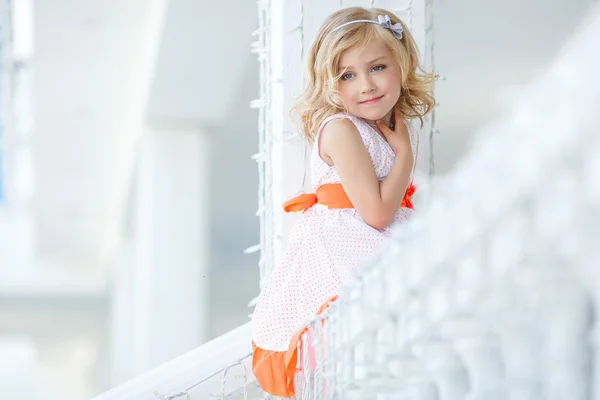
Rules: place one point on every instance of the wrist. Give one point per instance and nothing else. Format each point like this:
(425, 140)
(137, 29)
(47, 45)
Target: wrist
(402, 150)
(404, 156)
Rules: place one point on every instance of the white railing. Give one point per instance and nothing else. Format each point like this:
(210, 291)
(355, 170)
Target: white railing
(489, 292)
(220, 369)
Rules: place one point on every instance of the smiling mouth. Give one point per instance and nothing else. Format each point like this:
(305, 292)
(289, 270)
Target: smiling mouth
(371, 101)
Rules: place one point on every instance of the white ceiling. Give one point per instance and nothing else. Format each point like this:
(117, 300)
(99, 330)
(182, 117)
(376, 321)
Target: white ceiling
(87, 60)
(84, 64)
(204, 49)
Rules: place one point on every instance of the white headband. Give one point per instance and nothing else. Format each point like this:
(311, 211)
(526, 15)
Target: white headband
(382, 20)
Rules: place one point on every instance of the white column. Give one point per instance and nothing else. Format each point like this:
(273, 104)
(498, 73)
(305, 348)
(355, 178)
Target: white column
(170, 246)
(122, 316)
(421, 14)
(289, 30)
(293, 27)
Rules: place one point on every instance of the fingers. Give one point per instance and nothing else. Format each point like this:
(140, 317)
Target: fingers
(397, 116)
(385, 129)
(398, 121)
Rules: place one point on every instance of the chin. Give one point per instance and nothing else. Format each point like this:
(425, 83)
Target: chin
(374, 115)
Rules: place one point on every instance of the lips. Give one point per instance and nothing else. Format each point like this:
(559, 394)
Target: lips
(372, 101)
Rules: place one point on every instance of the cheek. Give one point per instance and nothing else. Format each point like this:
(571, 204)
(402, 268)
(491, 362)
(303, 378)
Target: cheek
(346, 93)
(391, 82)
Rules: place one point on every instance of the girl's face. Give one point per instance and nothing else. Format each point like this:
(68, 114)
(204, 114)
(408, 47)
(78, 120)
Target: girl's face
(370, 83)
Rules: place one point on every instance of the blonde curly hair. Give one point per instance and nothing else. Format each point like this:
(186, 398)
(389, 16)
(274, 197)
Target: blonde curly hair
(320, 98)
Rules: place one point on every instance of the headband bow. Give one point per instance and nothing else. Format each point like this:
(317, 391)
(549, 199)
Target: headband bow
(384, 21)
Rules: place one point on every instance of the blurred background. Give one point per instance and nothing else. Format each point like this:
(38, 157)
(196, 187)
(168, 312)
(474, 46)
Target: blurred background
(127, 192)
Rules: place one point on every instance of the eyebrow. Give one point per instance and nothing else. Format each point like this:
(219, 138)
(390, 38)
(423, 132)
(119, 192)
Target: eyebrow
(370, 62)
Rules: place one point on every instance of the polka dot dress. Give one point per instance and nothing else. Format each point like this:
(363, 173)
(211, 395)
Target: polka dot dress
(325, 248)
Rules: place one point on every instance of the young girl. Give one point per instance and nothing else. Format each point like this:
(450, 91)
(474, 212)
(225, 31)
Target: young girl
(363, 87)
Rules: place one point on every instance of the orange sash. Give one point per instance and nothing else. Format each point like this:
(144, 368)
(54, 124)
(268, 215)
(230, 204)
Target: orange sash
(333, 195)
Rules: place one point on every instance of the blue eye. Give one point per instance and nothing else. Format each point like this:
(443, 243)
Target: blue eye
(378, 68)
(347, 76)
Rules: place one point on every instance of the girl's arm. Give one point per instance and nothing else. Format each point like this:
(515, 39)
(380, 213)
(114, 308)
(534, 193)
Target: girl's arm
(377, 203)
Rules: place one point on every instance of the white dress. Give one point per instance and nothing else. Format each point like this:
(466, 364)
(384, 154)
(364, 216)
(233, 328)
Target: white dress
(325, 248)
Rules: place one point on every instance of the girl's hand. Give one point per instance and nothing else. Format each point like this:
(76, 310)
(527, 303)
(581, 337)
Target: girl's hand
(398, 138)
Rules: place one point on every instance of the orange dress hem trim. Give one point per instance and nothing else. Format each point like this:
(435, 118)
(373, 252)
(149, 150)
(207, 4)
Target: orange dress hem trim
(275, 370)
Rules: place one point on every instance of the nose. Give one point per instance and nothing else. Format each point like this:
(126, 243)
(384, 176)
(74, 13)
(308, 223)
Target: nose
(366, 84)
